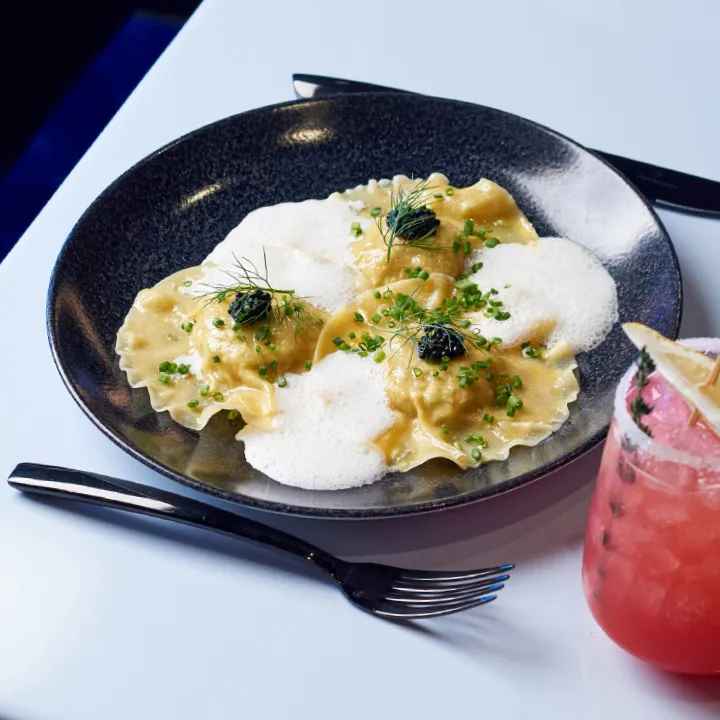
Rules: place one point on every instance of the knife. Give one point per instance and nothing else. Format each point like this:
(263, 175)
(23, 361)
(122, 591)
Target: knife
(668, 188)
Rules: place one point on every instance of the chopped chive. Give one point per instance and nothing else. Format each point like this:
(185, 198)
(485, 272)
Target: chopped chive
(516, 381)
(445, 359)
(164, 367)
(352, 335)
(233, 414)
(388, 294)
(436, 373)
(468, 227)
(274, 364)
(164, 378)
(193, 403)
(363, 353)
(444, 367)
(257, 348)
(492, 242)
(183, 369)
(237, 326)
(514, 403)
(282, 381)
(455, 246)
(423, 275)
(375, 212)
(262, 370)
(377, 294)
(272, 347)
(337, 341)
(378, 356)
(216, 358)
(359, 318)
(496, 340)
(187, 283)
(450, 191)
(308, 364)
(476, 454)
(467, 246)
(489, 377)
(458, 446)
(376, 318)
(318, 321)
(445, 429)
(218, 396)
(241, 337)
(464, 324)
(204, 390)
(475, 267)
(218, 322)
(438, 196)
(344, 346)
(417, 372)
(173, 368)
(356, 229)
(187, 327)
(488, 418)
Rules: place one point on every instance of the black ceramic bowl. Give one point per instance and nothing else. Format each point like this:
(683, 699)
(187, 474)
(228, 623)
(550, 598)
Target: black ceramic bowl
(171, 209)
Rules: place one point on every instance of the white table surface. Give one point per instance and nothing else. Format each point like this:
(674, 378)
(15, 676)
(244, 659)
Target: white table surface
(107, 617)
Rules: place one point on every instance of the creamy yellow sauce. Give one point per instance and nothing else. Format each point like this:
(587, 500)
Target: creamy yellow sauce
(180, 342)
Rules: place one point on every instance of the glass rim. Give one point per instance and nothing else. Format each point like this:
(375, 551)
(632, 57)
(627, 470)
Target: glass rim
(663, 453)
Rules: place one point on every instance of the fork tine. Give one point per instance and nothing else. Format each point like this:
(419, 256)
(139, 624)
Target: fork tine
(408, 613)
(442, 599)
(441, 589)
(457, 575)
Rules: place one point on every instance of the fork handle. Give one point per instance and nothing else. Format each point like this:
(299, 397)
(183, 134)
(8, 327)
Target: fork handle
(145, 500)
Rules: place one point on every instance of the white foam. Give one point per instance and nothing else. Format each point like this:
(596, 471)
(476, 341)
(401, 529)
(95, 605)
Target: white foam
(317, 227)
(552, 279)
(306, 246)
(194, 361)
(323, 283)
(323, 432)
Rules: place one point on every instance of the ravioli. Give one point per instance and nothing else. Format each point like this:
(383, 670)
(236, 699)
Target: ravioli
(485, 202)
(216, 367)
(436, 415)
(459, 328)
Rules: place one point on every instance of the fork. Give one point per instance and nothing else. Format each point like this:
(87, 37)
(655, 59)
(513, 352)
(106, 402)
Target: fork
(382, 590)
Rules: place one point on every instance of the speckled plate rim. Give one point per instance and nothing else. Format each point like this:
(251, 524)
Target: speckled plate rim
(332, 513)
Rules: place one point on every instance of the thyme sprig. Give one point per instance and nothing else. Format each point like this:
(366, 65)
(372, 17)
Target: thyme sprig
(639, 407)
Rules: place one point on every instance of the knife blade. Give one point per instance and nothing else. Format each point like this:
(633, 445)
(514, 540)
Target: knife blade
(672, 189)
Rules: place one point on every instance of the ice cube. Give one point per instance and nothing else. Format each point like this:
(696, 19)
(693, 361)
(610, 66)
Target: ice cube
(668, 511)
(689, 603)
(647, 596)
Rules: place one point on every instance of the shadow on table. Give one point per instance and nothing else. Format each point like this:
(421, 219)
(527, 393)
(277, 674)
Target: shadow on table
(538, 520)
(692, 689)
(184, 535)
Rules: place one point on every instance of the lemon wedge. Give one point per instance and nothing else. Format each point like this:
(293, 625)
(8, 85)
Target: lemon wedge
(688, 371)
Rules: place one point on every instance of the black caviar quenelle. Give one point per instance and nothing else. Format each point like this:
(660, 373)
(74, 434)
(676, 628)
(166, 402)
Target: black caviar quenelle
(439, 341)
(412, 224)
(249, 307)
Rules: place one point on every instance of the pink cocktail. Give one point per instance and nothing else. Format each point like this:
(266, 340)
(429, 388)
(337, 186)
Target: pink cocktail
(651, 567)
